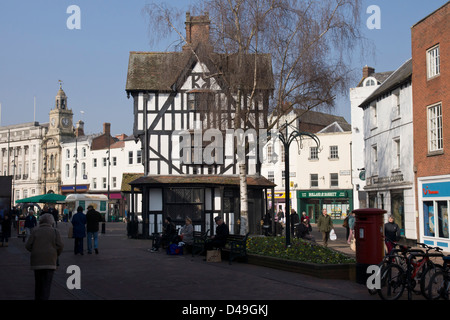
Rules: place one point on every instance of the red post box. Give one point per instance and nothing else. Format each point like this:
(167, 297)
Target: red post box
(369, 235)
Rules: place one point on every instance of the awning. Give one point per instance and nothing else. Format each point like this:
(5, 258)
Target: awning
(43, 198)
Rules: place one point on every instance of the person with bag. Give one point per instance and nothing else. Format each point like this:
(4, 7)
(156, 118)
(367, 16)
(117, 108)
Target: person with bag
(217, 241)
(169, 235)
(220, 238)
(325, 225)
(45, 245)
(351, 227)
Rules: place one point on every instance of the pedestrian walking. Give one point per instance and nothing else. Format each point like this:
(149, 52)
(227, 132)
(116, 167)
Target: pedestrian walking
(93, 218)
(30, 223)
(295, 223)
(79, 230)
(325, 225)
(351, 227)
(45, 245)
(6, 229)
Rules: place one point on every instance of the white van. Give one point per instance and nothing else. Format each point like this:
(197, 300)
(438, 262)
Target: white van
(98, 201)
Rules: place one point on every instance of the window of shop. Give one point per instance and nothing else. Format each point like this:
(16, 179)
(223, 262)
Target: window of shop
(397, 210)
(435, 219)
(184, 202)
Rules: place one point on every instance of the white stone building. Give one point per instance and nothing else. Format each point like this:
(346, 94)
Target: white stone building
(95, 172)
(20, 157)
(319, 176)
(388, 148)
(369, 82)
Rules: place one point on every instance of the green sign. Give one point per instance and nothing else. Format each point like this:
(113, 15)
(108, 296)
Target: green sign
(322, 194)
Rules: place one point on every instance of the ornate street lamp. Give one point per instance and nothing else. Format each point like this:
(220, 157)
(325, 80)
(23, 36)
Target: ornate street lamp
(288, 133)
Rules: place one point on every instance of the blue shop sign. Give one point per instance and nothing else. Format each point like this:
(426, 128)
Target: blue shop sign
(436, 190)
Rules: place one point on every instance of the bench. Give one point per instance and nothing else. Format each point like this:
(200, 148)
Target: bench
(199, 242)
(236, 246)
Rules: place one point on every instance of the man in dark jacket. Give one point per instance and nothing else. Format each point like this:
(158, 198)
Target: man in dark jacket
(93, 218)
(220, 238)
(169, 235)
(79, 230)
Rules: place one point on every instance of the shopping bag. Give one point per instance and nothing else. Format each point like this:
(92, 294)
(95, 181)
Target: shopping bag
(213, 256)
(353, 245)
(70, 231)
(174, 249)
(333, 235)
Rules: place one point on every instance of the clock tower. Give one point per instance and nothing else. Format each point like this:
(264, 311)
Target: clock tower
(60, 129)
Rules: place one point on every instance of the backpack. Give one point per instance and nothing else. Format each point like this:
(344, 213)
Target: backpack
(345, 224)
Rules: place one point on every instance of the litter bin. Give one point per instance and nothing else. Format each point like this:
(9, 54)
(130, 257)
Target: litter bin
(369, 235)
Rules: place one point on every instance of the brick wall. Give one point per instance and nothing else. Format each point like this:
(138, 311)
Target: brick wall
(433, 29)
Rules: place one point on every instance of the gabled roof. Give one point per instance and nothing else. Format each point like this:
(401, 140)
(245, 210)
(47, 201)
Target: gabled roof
(319, 118)
(163, 71)
(336, 127)
(397, 78)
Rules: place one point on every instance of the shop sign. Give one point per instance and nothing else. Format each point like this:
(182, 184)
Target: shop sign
(278, 195)
(323, 194)
(438, 189)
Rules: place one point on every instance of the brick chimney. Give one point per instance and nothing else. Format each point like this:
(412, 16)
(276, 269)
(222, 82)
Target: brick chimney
(197, 29)
(367, 71)
(107, 128)
(79, 130)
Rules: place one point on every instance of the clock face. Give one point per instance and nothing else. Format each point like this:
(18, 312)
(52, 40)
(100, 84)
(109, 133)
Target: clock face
(65, 122)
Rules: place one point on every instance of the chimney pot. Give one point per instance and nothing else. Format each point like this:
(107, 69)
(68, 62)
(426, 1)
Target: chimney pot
(368, 71)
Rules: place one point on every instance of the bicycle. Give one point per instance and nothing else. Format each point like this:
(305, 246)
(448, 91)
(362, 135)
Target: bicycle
(397, 255)
(439, 286)
(394, 277)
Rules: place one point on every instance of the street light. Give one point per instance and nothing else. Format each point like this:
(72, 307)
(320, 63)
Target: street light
(286, 139)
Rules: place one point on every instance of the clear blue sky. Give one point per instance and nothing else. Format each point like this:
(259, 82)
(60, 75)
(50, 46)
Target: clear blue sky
(37, 49)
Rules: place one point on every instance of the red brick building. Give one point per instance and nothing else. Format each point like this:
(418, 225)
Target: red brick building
(431, 117)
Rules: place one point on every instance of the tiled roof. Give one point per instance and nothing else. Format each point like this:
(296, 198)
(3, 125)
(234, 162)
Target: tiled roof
(162, 71)
(399, 76)
(252, 181)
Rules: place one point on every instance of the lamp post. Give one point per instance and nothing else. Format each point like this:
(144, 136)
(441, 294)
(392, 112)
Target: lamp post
(290, 134)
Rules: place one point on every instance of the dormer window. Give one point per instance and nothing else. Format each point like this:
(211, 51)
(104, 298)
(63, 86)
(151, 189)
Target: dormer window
(370, 81)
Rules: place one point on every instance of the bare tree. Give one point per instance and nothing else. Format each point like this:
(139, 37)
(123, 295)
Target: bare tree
(309, 44)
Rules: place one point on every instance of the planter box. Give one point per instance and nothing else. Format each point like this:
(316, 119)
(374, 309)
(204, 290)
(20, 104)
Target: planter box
(345, 271)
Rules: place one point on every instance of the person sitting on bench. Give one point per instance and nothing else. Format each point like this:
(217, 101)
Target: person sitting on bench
(168, 236)
(220, 238)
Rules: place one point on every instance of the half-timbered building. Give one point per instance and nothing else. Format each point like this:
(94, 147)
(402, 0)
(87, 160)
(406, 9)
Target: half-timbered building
(196, 122)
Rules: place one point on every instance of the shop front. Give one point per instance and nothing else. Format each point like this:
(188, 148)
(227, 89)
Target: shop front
(338, 203)
(279, 200)
(434, 200)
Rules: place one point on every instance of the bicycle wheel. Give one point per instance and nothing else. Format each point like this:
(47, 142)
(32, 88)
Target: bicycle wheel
(425, 280)
(392, 282)
(436, 285)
